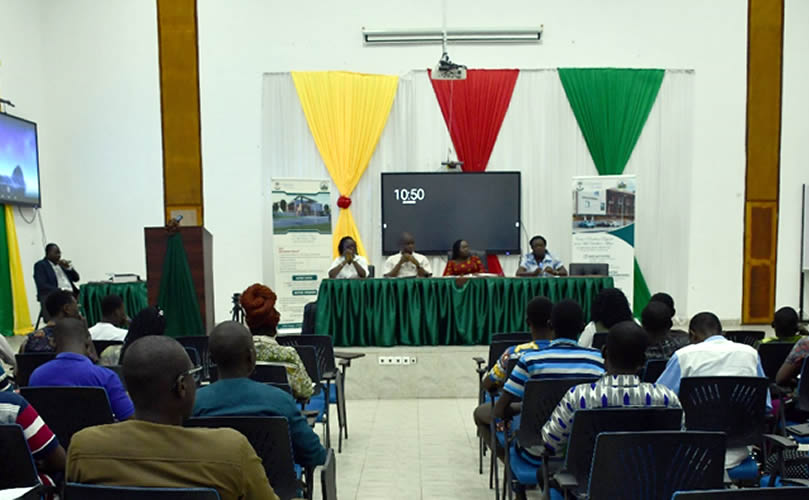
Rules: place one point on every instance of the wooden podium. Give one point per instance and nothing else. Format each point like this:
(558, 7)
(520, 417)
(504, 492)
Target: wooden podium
(198, 244)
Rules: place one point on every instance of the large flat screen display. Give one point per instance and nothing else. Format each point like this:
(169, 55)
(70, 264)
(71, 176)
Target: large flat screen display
(19, 162)
(439, 208)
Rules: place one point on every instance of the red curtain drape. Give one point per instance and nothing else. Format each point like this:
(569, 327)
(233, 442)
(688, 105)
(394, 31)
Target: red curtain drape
(473, 110)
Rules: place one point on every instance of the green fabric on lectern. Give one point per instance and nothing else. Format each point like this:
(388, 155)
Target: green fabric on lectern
(436, 311)
(178, 297)
(133, 294)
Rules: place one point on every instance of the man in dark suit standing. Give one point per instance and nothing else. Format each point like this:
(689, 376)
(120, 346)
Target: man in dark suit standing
(53, 273)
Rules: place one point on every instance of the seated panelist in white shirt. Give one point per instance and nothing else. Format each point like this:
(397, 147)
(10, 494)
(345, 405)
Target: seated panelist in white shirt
(113, 317)
(348, 265)
(407, 263)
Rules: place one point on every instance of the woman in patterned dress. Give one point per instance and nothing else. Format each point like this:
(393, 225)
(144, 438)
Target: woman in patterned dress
(462, 262)
(262, 318)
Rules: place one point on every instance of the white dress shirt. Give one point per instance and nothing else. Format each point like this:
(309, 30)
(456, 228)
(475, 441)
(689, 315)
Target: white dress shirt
(349, 271)
(107, 331)
(408, 269)
(62, 280)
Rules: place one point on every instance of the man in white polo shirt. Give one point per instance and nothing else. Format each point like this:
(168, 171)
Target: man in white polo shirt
(407, 263)
(712, 355)
(113, 317)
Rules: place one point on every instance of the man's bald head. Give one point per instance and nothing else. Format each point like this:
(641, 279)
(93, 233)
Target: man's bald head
(151, 368)
(231, 345)
(71, 335)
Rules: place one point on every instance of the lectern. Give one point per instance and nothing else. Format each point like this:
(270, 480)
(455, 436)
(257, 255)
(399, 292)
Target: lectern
(198, 244)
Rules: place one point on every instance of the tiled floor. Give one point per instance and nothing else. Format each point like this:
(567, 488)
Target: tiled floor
(411, 449)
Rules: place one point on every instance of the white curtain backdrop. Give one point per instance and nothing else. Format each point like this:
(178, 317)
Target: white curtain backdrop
(539, 137)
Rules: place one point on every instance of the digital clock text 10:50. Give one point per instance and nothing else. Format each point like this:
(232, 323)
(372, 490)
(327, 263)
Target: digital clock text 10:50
(409, 196)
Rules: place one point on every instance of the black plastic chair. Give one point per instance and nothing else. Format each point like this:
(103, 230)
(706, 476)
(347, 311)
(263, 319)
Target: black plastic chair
(100, 345)
(521, 337)
(270, 373)
(328, 477)
(749, 337)
(269, 436)
(773, 354)
(27, 363)
(67, 410)
(589, 269)
(193, 355)
(200, 343)
(540, 398)
(786, 493)
(75, 491)
(599, 339)
(19, 470)
(588, 424)
(653, 369)
(652, 464)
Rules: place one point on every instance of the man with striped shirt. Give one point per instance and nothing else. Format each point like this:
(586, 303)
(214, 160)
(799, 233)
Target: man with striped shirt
(47, 452)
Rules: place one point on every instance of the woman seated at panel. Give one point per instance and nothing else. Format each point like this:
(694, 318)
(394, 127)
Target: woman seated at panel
(540, 262)
(348, 265)
(462, 261)
(258, 302)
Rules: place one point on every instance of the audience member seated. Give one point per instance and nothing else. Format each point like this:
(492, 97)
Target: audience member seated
(112, 318)
(407, 263)
(60, 304)
(610, 307)
(149, 321)
(663, 342)
(7, 357)
(348, 265)
(49, 456)
(462, 262)
(154, 449)
(538, 316)
(72, 367)
(540, 262)
(669, 301)
(712, 355)
(234, 394)
(787, 323)
(620, 387)
(787, 327)
(258, 302)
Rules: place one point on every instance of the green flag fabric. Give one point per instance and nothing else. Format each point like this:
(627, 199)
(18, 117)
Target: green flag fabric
(611, 106)
(6, 293)
(178, 298)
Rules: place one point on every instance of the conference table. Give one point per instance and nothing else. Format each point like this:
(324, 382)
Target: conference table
(90, 296)
(438, 311)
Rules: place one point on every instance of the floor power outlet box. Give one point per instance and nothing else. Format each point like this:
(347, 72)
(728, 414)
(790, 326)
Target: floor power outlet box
(396, 360)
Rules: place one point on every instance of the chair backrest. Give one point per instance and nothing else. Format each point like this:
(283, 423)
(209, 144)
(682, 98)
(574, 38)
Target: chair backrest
(118, 370)
(19, 470)
(653, 369)
(67, 410)
(733, 405)
(27, 363)
(100, 345)
(773, 354)
(198, 342)
(803, 387)
(587, 424)
(193, 354)
(588, 269)
(749, 337)
(783, 493)
(270, 373)
(371, 271)
(308, 357)
(75, 491)
(324, 350)
(522, 337)
(283, 386)
(269, 436)
(328, 477)
(496, 349)
(656, 464)
(599, 339)
(539, 400)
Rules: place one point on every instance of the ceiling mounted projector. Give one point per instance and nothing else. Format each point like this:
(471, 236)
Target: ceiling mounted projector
(448, 70)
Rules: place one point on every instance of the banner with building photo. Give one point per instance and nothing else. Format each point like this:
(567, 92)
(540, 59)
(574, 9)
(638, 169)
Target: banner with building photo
(302, 254)
(604, 226)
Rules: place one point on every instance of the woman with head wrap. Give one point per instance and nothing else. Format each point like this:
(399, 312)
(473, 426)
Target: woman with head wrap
(258, 302)
(149, 321)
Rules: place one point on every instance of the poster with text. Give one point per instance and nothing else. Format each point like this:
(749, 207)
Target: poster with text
(604, 226)
(301, 227)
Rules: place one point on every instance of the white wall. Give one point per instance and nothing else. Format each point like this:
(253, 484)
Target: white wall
(87, 72)
(794, 158)
(240, 40)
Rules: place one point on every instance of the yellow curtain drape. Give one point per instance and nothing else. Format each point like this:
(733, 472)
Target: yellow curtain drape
(346, 113)
(22, 316)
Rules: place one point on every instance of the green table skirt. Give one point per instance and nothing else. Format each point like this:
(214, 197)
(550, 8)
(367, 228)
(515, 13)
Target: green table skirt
(90, 295)
(438, 311)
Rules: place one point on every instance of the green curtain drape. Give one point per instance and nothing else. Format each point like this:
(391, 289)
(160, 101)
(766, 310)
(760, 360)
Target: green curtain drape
(178, 297)
(437, 311)
(133, 294)
(611, 106)
(6, 294)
